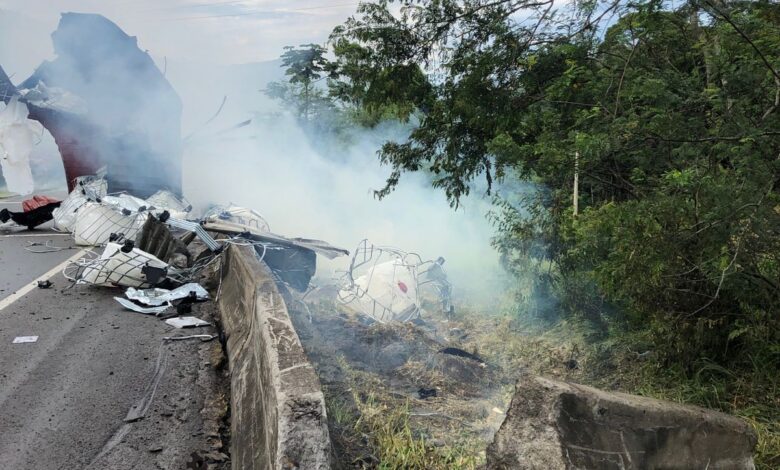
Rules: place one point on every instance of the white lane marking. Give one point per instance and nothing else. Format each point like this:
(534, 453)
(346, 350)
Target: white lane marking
(22, 235)
(28, 287)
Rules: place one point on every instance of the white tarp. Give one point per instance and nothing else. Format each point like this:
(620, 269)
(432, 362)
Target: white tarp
(18, 136)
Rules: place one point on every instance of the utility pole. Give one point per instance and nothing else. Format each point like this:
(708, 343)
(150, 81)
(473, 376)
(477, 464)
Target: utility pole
(576, 183)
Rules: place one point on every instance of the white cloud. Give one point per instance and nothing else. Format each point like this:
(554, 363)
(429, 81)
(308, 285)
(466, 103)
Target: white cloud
(220, 32)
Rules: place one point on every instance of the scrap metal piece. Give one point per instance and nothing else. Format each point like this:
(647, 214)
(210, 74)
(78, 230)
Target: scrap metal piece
(157, 296)
(25, 339)
(196, 228)
(320, 247)
(186, 322)
(138, 308)
(203, 338)
(248, 218)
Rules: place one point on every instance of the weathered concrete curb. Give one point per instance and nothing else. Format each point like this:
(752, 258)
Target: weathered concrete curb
(555, 425)
(278, 418)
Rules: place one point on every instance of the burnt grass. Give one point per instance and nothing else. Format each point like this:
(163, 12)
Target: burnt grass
(415, 393)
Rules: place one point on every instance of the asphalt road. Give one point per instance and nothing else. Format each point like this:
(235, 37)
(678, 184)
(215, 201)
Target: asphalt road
(64, 398)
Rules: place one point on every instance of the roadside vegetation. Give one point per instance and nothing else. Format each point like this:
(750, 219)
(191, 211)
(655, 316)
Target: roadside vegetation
(651, 133)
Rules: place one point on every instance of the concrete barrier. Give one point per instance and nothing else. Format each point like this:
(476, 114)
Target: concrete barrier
(556, 425)
(278, 418)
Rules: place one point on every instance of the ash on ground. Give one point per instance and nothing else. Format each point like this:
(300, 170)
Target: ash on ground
(418, 390)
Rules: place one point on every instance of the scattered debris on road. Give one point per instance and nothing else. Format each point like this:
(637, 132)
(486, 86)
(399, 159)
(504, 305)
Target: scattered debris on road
(203, 338)
(25, 339)
(44, 284)
(186, 322)
(157, 311)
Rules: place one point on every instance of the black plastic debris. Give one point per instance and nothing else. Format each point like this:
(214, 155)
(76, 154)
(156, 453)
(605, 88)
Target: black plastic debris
(128, 246)
(424, 393)
(294, 265)
(44, 284)
(461, 353)
(32, 218)
(154, 276)
(572, 364)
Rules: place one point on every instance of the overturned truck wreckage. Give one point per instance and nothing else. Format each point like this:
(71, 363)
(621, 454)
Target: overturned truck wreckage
(107, 105)
(387, 284)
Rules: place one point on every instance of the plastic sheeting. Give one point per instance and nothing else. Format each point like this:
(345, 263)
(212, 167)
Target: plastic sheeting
(88, 188)
(18, 136)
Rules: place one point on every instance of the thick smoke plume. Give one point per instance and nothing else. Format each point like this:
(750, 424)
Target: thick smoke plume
(307, 189)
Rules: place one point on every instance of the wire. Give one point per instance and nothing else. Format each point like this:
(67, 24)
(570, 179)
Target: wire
(47, 247)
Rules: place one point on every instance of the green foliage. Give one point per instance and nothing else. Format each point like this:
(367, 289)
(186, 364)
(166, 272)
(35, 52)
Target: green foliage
(673, 117)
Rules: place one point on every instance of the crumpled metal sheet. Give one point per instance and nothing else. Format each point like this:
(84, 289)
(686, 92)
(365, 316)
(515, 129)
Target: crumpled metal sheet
(156, 296)
(138, 308)
(197, 229)
(248, 218)
(186, 322)
(318, 246)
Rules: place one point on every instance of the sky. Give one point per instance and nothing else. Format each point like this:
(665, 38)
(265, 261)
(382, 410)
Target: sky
(220, 31)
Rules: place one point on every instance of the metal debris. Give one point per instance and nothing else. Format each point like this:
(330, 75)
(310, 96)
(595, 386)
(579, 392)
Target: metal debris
(156, 296)
(386, 283)
(141, 309)
(186, 322)
(25, 339)
(203, 338)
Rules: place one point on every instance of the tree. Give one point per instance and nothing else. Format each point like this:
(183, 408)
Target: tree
(305, 66)
(673, 114)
